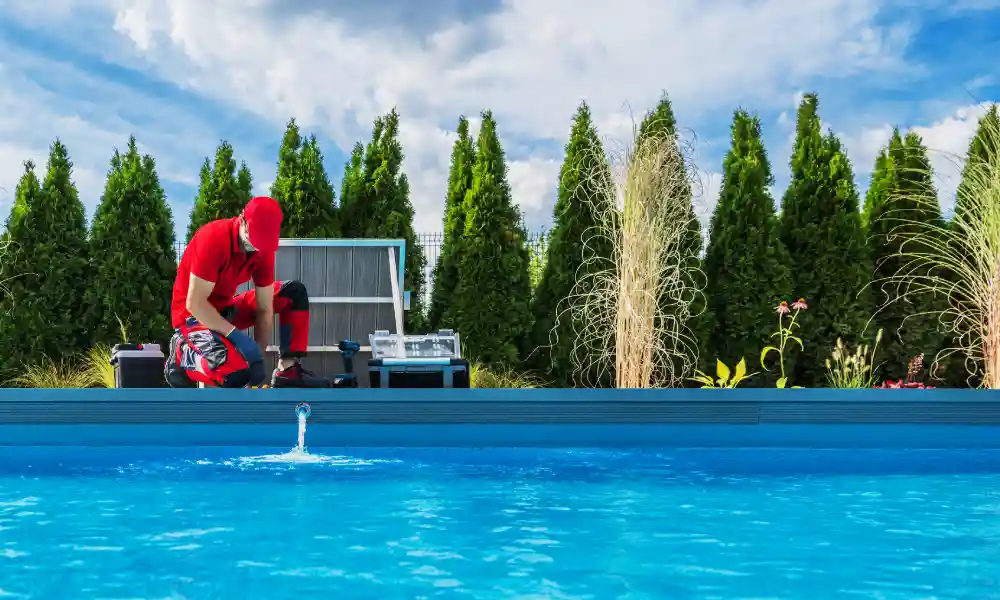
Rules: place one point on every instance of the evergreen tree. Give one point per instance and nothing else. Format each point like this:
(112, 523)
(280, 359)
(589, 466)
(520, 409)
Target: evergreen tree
(46, 267)
(244, 182)
(352, 185)
(745, 262)
(822, 231)
(902, 194)
(662, 123)
(463, 156)
(303, 189)
(222, 192)
(376, 204)
(982, 148)
(494, 286)
(577, 248)
(133, 260)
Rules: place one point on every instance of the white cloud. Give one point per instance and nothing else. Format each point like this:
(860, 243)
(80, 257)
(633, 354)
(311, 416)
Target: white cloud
(536, 61)
(947, 141)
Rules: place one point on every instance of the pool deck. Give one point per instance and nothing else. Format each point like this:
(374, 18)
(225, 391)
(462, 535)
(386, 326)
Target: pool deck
(815, 418)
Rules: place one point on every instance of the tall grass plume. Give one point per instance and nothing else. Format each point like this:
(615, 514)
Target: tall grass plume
(632, 311)
(958, 261)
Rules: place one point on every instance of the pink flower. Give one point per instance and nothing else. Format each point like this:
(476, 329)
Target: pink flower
(783, 308)
(800, 304)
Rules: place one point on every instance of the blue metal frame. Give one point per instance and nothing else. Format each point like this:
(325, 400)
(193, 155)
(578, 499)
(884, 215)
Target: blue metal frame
(492, 417)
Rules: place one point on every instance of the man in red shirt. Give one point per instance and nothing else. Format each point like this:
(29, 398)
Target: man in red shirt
(208, 345)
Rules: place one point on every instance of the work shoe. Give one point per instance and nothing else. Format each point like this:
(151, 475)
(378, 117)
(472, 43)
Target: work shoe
(299, 377)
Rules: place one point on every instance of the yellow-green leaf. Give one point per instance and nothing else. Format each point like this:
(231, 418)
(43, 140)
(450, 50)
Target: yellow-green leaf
(797, 341)
(765, 352)
(741, 370)
(781, 382)
(721, 371)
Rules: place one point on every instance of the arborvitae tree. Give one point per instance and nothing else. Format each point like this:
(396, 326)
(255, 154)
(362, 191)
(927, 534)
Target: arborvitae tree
(244, 182)
(352, 185)
(661, 122)
(902, 194)
(47, 262)
(376, 200)
(821, 229)
(443, 297)
(303, 189)
(494, 287)
(576, 248)
(222, 193)
(133, 260)
(981, 148)
(745, 262)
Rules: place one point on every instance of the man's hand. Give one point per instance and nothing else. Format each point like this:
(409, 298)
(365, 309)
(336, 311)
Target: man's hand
(245, 346)
(201, 309)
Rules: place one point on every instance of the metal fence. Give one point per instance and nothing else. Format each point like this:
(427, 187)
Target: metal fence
(431, 244)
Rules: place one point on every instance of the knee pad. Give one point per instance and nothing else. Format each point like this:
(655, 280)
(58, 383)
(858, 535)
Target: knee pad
(176, 378)
(296, 293)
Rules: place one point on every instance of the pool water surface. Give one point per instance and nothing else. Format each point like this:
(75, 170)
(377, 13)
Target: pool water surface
(243, 524)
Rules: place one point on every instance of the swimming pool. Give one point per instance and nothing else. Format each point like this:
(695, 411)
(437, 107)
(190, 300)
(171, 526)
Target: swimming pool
(383, 523)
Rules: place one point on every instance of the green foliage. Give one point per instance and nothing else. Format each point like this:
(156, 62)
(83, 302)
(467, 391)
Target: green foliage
(724, 378)
(821, 228)
(539, 258)
(132, 256)
(222, 192)
(463, 156)
(982, 148)
(501, 378)
(375, 203)
(494, 287)
(45, 268)
(303, 189)
(897, 202)
(746, 264)
(577, 249)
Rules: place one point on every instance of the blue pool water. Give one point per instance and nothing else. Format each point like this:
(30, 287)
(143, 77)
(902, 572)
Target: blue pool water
(211, 523)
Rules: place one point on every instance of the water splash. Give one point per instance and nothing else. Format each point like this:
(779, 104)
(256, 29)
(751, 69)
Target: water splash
(301, 447)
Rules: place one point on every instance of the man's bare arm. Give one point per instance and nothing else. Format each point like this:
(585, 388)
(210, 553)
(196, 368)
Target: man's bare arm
(264, 319)
(200, 308)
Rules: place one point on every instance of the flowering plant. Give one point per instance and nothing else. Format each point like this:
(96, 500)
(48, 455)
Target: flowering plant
(785, 334)
(914, 371)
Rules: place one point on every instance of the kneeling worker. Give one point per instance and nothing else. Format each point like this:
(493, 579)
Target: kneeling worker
(207, 314)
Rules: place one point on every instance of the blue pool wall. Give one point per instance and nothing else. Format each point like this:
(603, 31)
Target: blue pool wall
(813, 418)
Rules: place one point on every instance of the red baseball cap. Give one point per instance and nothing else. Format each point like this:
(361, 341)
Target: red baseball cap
(263, 217)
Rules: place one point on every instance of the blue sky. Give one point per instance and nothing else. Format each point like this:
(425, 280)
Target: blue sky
(181, 75)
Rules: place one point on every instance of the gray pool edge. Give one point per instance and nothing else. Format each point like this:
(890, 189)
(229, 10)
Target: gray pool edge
(506, 418)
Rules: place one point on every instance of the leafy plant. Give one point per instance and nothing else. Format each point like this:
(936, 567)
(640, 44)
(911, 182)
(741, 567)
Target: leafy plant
(845, 369)
(499, 377)
(914, 373)
(785, 334)
(724, 378)
(97, 361)
(55, 374)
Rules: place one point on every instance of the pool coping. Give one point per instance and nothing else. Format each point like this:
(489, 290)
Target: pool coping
(505, 417)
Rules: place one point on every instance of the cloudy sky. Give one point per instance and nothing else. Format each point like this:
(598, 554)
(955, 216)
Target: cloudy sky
(183, 74)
